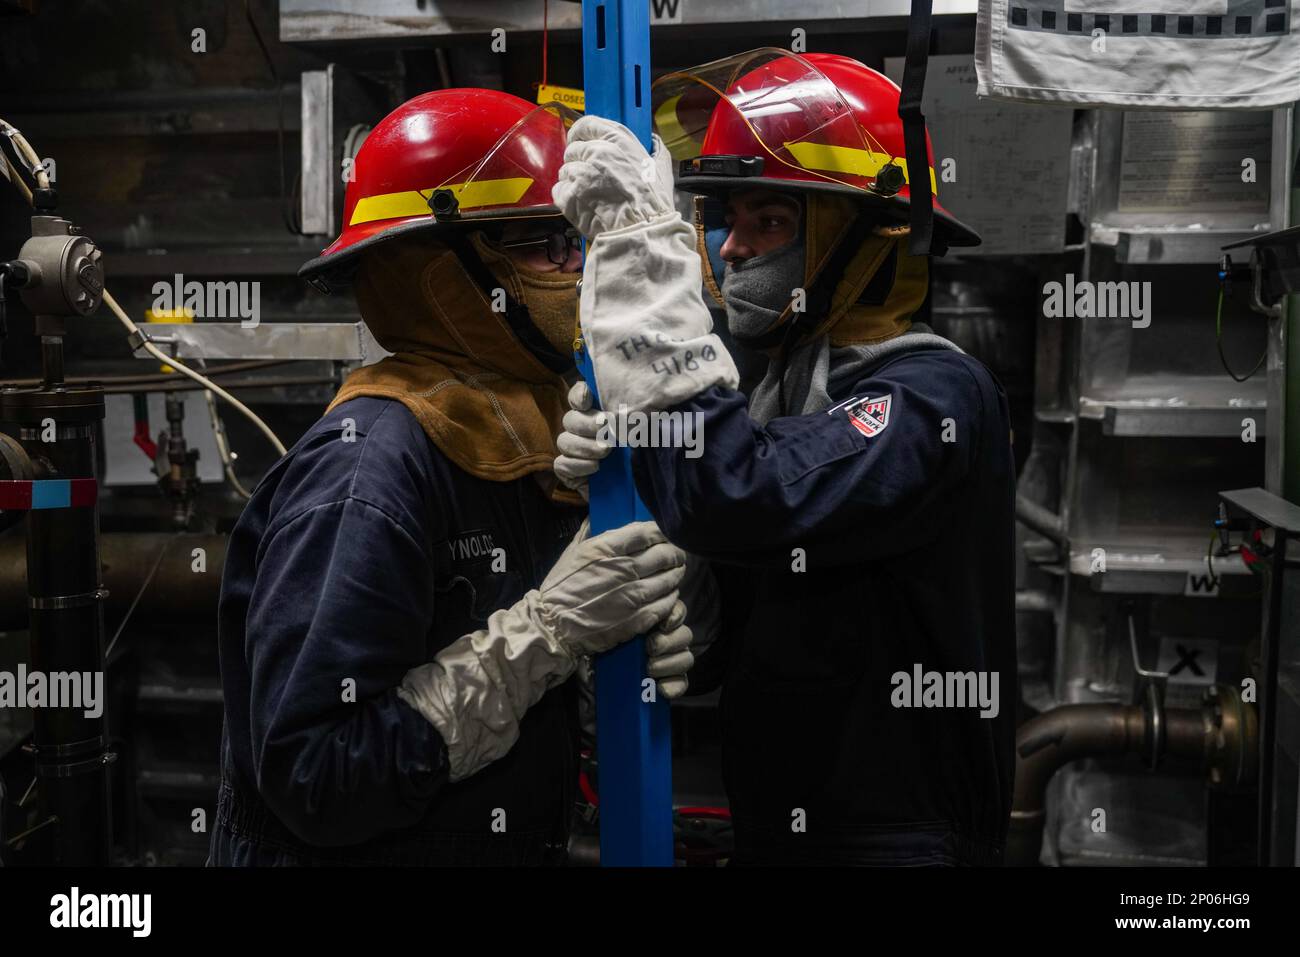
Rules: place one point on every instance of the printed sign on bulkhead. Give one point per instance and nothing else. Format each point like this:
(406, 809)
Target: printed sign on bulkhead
(1149, 54)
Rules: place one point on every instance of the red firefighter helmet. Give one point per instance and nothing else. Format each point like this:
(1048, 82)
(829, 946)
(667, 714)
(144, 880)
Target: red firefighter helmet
(447, 159)
(817, 121)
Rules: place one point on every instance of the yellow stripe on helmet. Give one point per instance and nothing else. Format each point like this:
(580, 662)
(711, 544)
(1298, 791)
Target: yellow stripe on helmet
(848, 159)
(390, 206)
(473, 194)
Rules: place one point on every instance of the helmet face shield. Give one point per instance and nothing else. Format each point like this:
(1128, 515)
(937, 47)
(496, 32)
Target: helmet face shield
(818, 122)
(516, 175)
(774, 105)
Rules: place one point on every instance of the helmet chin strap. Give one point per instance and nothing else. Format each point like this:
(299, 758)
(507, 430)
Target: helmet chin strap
(914, 141)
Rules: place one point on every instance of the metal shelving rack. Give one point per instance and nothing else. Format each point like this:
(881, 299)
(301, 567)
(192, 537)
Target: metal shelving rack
(1150, 427)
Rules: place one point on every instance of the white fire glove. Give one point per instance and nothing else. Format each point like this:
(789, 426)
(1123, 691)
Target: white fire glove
(609, 181)
(668, 653)
(601, 592)
(580, 444)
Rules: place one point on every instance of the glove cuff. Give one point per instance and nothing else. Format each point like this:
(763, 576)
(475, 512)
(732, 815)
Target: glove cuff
(644, 321)
(477, 689)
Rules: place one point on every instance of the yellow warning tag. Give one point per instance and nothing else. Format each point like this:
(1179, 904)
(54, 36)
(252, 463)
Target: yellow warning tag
(185, 314)
(573, 99)
(169, 315)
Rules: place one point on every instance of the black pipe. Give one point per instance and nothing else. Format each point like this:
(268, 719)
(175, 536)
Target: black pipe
(57, 429)
(52, 361)
(126, 560)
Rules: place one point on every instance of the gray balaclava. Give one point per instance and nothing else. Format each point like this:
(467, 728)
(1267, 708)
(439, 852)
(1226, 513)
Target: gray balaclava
(756, 293)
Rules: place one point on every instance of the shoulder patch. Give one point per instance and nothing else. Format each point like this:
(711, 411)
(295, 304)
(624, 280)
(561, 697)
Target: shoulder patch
(869, 416)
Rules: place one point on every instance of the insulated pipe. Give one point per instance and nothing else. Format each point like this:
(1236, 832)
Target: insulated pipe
(1221, 735)
(126, 559)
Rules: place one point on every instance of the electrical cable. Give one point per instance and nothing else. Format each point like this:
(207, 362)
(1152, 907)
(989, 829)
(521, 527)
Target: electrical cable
(1209, 560)
(25, 151)
(108, 651)
(545, 36)
(223, 446)
(1224, 553)
(1218, 341)
(16, 178)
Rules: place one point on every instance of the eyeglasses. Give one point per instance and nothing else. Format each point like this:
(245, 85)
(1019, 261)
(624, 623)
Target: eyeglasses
(559, 245)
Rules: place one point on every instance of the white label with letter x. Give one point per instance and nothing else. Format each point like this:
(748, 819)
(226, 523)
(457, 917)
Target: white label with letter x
(1192, 661)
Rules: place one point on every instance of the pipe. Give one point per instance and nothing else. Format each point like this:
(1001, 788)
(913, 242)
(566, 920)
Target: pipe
(245, 365)
(187, 385)
(1221, 736)
(1040, 519)
(62, 593)
(1048, 742)
(126, 558)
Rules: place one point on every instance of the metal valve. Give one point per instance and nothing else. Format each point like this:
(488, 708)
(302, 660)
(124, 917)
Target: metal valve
(64, 272)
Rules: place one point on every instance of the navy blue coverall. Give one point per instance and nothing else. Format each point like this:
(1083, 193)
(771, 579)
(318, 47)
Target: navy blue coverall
(905, 522)
(356, 561)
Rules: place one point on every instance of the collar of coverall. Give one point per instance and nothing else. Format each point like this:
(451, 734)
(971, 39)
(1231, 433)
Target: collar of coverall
(479, 394)
(880, 288)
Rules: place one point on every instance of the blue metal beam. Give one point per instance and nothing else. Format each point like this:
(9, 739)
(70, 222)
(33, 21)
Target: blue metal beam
(633, 736)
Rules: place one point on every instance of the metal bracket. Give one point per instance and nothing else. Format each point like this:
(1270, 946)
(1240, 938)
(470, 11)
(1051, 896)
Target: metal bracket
(1149, 690)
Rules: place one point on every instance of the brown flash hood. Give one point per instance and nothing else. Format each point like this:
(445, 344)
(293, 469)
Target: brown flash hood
(482, 396)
